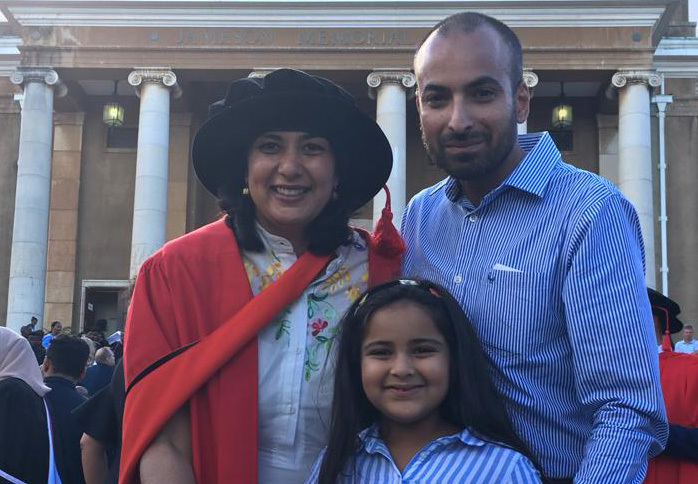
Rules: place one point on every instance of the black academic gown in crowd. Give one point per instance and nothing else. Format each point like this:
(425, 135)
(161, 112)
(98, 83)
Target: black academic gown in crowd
(62, 400)
(23, 432)
(100, 418)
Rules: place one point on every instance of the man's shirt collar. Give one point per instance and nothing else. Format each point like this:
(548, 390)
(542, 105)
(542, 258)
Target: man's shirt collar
(531, 175)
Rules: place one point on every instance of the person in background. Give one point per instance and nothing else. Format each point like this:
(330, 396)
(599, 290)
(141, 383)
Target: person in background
(27, 329)
(24, 444)
(35, 342)
(63, 367)
(545, 259)
(99, 375)
(687, 344)
(678, 464)
(56, 329)
(100, 420)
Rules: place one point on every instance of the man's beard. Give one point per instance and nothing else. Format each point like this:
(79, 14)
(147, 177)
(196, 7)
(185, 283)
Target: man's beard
(472, 166)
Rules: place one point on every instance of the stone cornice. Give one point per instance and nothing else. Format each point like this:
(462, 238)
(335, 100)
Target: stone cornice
(46, 75)
(677, 57)
(9, 54)
(622, 78)
(158, 75)
(346, 14)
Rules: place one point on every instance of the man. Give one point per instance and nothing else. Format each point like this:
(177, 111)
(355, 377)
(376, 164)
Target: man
(56, 329)
(546, 259)
(99, 375)
(28, 329)
(688, 345)
(63, 367)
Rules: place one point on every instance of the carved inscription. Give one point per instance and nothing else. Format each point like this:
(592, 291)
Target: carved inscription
(348, 38)
(225, 37)
(267, 37)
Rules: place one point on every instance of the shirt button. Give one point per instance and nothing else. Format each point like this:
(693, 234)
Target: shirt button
(473, 218)
(290, 409)
(299, 351)
(458, 279)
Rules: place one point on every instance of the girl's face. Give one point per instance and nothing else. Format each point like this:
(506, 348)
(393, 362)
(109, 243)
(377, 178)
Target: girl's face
(405, 365)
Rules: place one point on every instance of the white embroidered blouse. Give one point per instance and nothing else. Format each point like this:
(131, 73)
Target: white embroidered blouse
(295, 373)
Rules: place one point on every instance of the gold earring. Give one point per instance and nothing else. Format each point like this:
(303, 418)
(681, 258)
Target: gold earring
(245, 191)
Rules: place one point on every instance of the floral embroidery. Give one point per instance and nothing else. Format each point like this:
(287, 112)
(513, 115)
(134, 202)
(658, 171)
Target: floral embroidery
(324, 301)
(283, 325)
(318, 325)
(337, 280)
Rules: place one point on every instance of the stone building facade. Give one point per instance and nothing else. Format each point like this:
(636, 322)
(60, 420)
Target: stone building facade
(83, 204)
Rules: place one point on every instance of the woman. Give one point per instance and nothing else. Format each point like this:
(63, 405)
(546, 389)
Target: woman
(24, 444)
(230, 327)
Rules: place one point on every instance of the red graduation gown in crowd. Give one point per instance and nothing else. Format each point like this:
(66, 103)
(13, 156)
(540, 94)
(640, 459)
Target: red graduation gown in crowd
(679, 380)
(191, 337)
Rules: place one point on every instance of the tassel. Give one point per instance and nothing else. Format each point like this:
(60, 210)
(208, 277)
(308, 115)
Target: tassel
(666, 340)
(386, 238)
(386, 247)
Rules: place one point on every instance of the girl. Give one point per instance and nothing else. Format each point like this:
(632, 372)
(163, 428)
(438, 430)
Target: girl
(412, 383)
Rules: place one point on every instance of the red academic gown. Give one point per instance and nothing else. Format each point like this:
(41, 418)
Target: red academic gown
(178, 350)
(679, 380)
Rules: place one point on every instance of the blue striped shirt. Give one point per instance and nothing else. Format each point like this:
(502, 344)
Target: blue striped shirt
(549, 268)
(462, 458)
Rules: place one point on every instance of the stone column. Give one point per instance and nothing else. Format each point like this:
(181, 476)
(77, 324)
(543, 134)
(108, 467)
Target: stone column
(392, 88)
(154, 86)
(530, 78)
(635, 153)
(25, 296)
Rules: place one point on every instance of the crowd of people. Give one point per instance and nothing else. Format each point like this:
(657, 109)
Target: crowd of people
(280, 344)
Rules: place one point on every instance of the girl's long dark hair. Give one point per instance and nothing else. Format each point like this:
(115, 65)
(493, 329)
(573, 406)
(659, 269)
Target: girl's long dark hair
(472, 400)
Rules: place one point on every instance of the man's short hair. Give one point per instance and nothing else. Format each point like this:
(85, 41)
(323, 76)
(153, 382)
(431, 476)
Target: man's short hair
(468, 22)
(104, 356)
(688, 326)
(55, 323)
(34, 319)
(68, 355)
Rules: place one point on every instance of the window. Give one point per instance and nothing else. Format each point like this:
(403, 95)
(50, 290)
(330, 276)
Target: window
(122, 138)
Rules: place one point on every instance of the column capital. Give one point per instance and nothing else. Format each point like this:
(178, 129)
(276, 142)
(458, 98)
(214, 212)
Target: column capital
(47, 75)
(622, 78)
(157, 75)
(530, 78)
(379, 77)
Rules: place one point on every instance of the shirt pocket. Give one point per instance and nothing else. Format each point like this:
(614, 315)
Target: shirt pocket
(517, 312)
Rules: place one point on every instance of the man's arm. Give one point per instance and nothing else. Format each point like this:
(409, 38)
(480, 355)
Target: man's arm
(614, 354)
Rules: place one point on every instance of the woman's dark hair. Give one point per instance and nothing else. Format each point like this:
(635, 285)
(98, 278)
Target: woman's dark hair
(472, 401)
(329, 230)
